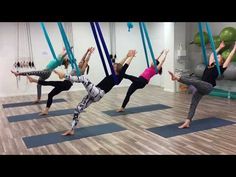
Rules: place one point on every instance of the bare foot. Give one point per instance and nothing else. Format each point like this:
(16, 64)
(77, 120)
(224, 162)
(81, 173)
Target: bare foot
(43, 113)
(69, 132)
(186, 124)
(120, 110)
(31, 79)
(36, 101)
(15, 73)
(174, 76)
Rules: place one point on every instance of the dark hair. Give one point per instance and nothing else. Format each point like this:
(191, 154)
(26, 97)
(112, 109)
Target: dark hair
(87, 69)
(119, 67)
(64, 62)
(160, 70)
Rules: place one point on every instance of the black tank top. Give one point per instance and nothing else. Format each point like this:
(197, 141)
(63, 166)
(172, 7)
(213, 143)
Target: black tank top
(210, 74)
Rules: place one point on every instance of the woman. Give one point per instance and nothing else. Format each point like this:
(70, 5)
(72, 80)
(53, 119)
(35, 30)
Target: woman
(141, 81)
(207, 83)
(95, 93)
(60, 86)
(45, 73)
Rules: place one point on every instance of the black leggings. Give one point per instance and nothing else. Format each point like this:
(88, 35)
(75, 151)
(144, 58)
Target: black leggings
(138, 83)
(59, 87)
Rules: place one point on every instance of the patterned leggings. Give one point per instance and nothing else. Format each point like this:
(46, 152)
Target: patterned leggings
(202, 88)
(94, 95)
(43, 75)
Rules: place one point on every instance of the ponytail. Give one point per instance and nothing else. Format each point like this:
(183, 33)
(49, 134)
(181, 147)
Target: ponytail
(87, 69)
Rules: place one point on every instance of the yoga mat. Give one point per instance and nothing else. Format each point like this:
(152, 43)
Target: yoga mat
(84, 132)
(172, 130)
(30, 103)
(139, 109)
(32, 116)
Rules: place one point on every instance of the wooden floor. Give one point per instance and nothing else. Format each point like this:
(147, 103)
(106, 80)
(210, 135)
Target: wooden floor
(136, 139)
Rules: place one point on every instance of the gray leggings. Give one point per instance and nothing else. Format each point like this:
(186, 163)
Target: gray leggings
(43, 75)
(202, 88)
(94, 95)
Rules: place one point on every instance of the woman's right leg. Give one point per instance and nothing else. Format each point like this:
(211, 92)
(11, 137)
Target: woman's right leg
(87, 100)
(45, 74)
(50, 83)
(203, 87)
(133, 87)
(94, 95)
(131, 78)
(39, 73)
(193, 106)
(59, 87)
(92, 90)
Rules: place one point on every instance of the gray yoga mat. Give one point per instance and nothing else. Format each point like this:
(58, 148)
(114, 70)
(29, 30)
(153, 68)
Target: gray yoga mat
(32, 116)
(30, 103)
(84, 132)
(138, 109)
(172, 130)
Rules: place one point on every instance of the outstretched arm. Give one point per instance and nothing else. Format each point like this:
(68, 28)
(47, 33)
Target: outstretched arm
(230, 57)
(123, 60)
(162, 54)
(212, 59)
(87, 57)
(64, 52)
(162, 60)
(131, 54)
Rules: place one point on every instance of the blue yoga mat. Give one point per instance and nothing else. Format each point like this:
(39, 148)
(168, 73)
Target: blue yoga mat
(32, 116)
(84, 132)
(172, 130)
(133, 110)
(30, 103)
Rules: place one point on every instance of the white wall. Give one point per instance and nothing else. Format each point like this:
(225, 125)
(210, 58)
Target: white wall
(169, 65)
(8, 53)
(83, 39)
(130, 40)
(156, 32)
(161, 35)
(181, 63)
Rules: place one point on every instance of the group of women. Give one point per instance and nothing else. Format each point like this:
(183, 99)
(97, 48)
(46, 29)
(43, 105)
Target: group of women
(96, 92)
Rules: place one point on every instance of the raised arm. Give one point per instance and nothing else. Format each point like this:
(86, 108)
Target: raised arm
(122, 61)
(85, 55)
(64, 52)
(230, 57)
(161, 54)
(131, 54)
(212, 59)
(162, 60)
(87, 58)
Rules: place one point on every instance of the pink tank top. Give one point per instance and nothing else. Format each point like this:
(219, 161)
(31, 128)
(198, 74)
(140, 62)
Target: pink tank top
(148, 73)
